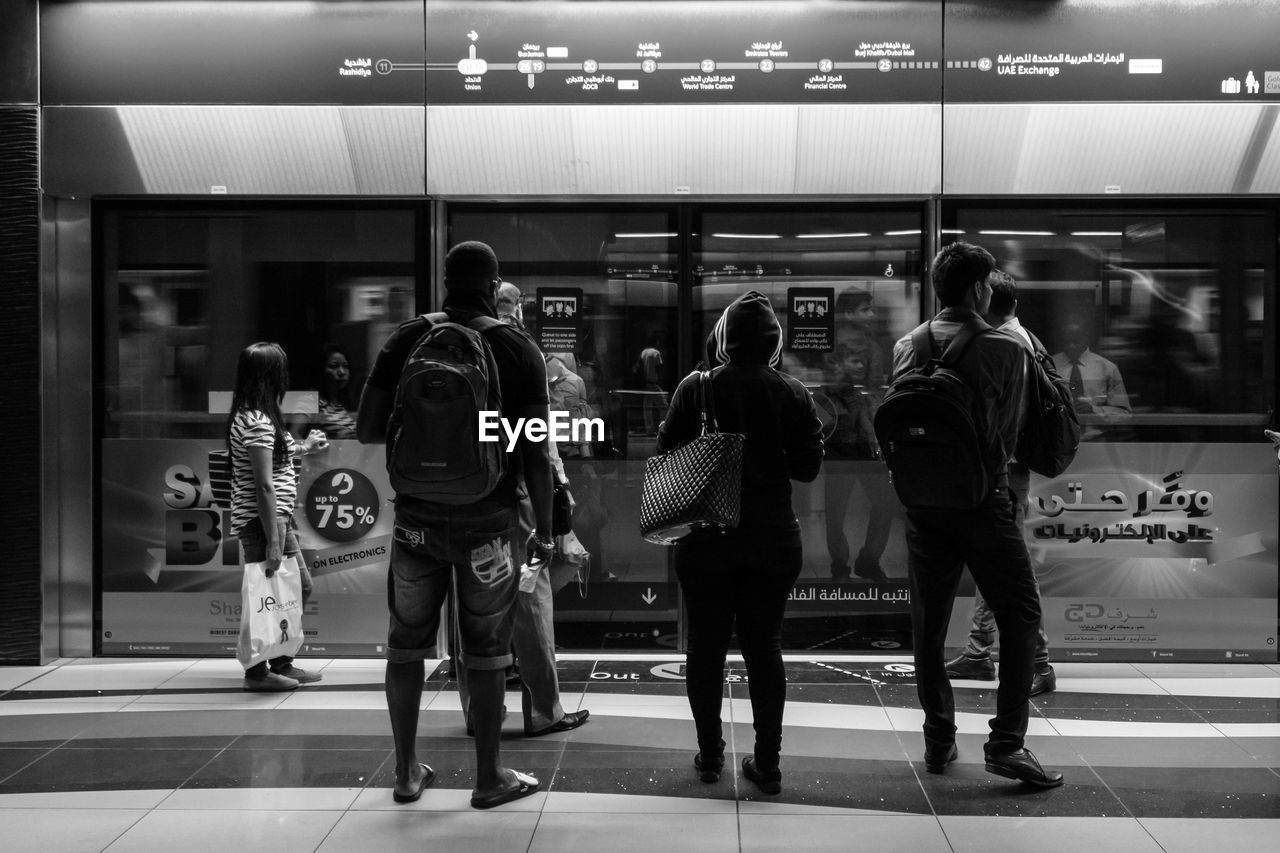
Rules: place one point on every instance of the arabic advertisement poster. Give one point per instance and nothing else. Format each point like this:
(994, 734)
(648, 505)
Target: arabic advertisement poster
(1155, 551)
(171, 576)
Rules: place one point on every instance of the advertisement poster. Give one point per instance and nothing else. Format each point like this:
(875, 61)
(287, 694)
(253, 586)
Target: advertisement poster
(171, 576)
(1155, 552)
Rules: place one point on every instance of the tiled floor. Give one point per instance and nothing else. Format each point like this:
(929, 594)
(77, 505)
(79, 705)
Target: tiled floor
(170, 755)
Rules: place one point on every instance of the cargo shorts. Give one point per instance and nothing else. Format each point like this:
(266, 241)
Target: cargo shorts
(471, 549)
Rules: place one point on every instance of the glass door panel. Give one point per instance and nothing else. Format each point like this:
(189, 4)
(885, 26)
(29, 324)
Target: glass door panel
(183, 288)
(845, 284)
(600, 296)
(1166, 313)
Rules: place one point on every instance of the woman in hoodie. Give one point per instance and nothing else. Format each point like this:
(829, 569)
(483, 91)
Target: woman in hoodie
(744, 575)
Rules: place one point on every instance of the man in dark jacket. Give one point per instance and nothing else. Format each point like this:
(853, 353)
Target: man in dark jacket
(988, 538)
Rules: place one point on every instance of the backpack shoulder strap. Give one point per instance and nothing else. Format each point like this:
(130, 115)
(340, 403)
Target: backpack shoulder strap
(968, 332)
(707, 404)
(1036, 346)
(434, 318)
(483, 323)
(922, 343)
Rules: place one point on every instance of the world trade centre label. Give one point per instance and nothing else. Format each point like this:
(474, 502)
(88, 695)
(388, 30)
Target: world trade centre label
(683, 53)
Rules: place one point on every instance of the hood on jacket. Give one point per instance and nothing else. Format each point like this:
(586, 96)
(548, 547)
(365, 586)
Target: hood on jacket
(747, 332)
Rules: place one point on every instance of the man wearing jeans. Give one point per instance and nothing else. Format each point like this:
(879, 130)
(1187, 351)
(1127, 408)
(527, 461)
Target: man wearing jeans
(940, 542)
(473, 548)
(533, 629)
(974, 662)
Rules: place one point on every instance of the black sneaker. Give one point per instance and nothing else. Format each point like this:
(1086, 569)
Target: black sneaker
(302, 676)
(710, 764)
(768, 781)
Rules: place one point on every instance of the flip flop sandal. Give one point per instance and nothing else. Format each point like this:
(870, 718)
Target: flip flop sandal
(525, 785)
(428, 776)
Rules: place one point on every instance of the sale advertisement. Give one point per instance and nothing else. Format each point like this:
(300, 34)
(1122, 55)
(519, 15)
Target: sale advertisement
(1155, 551)
(171, 575)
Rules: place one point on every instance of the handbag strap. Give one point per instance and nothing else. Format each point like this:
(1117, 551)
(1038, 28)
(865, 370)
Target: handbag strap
(707, 402)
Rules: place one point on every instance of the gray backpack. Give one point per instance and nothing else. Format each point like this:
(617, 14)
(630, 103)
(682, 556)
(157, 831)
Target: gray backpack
(434, 452)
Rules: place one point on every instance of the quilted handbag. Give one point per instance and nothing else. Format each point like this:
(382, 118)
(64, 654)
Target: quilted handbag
(696, 485)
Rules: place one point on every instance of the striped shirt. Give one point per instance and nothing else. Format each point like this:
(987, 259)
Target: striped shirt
(254, 429)
(334, 420)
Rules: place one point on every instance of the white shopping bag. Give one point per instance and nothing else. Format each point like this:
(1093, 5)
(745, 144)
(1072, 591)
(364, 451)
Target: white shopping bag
(270, 613)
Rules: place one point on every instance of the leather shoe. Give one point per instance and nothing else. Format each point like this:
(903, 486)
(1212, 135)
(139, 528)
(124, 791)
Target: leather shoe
(938, 755)
(570, 721)
(1024, 767)
(1044, 681)
(971, 669)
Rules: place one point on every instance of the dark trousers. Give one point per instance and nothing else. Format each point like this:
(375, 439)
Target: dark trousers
(989, 540)
(882, 506)
(982, 634)
(744, 579)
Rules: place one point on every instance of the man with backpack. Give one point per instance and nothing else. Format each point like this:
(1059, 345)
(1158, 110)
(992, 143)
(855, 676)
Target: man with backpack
(974, 662)
(456, 519)
(947, 427)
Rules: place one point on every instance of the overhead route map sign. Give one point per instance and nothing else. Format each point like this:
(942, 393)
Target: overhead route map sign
(346, 52)
(683, 52)
(1007, 51)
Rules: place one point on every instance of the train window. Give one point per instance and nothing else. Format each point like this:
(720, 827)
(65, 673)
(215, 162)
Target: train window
(600, 294)
(1159, 317)
(184, 290)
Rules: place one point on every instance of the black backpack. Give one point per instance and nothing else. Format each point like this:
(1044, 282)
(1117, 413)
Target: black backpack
(931, 429)
(434, 452)
(1048, 441)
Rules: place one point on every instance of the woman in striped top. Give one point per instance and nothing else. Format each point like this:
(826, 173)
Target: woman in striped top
(333, 417)
(264, 485)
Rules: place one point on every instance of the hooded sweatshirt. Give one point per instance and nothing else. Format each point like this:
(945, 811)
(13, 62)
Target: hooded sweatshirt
(773, 410)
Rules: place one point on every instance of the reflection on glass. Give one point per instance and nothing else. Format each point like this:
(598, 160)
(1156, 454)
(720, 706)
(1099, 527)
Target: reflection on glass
(845, 284)
(189, 289)
(1156, 318)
